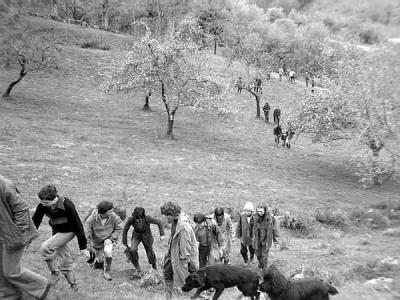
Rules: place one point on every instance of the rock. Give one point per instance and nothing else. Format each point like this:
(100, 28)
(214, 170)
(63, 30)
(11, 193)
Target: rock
(379, 284)
(389, 262)
(395, 232)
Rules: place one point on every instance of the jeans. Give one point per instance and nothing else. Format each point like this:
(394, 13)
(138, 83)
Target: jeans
(204, 252)
(243, 251)
(56, 246)
(148, 246)
(14, 279)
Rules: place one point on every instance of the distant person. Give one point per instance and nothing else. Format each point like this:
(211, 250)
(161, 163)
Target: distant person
(292, 75)
(225, 226)
(239, 85)
(266, 109)
(269, 72)
(140, 222)
(277, 133)
(307, 77)
(102, 229)
(280, 72)
(264, 232)
(16, 232)
(277, 115)
(210, 239)
(312, 83)
(243, 232)
(65, 224)
(182, 257)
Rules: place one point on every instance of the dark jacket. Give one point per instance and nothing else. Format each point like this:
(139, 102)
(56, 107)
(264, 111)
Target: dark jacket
(141, 228)
(63, 218)
(266, 107)
(16, 226)
(263, 230)
(243, 230)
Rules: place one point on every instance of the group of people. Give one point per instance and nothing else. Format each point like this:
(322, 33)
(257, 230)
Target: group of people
(193, 243)
(255, 86)
(276, 113)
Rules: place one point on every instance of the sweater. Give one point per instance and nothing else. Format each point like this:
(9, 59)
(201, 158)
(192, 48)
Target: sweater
(63, 218)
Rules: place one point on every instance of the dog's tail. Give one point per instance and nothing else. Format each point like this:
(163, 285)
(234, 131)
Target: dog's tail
(331, 289)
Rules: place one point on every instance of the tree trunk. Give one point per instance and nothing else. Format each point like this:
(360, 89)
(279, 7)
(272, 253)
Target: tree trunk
(105, 14)
(170, 126)
(146, 106)
(215, 45)
(22, 74)
(258, 113)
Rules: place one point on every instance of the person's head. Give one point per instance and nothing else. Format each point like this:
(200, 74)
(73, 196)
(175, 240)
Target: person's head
(248, 209)
(121, 212)
(48, 195)
(219, 214)
(104, 208)
(261, 210)
(171, 210)
(199, 220)
(139, 212)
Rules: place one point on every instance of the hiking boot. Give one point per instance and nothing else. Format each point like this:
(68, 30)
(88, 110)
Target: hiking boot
(107, 269)
(98, 265)
(246, 264)
(54, 277)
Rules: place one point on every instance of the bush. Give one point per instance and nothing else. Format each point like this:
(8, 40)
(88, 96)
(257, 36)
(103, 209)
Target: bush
(335, 218)
(95, 44)
(369, 36)
(371, 218)
(297, 225)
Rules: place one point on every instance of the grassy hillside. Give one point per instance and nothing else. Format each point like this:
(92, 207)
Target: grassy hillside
(62, 128)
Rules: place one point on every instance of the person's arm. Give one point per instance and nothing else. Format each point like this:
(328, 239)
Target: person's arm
(251, 226)
(229, 227)
(38, 215)
(219, 236)
(76, 223)
(275, 233)
(185, 249)
(88, 227)
(126, 230)
(19, 208)
(117, 228)
(158, 223)
(239, 227)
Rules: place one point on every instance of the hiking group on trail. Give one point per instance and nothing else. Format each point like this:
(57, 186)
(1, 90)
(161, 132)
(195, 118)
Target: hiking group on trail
(204, 240)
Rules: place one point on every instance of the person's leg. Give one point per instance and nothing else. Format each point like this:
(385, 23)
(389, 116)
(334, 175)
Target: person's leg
(134, 249)
(168, 278)
(252, 252)
(203, 256)
(151, 256)
(108, 248)
(265, 257)
(243, 252)
(99, 261)
(50, 250)
(17, 279)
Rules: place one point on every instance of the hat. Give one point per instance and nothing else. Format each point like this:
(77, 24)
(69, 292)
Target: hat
(199, 218)
(49, 192)
(249, 206)
(104, 206)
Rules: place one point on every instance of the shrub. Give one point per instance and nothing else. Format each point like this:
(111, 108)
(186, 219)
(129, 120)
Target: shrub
(297, 225)
(371, 218)
(95, 44)
(335, 218)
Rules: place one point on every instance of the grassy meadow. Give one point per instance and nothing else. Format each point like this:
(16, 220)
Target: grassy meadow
(61, 128)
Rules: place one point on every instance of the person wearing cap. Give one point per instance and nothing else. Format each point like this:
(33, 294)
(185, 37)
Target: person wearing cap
(243, 232)
(16, 232)
(225, 226)
(264, 232)
(65, 224)
(182, 257)
(210, 239)
(140, 223)
(102, 229)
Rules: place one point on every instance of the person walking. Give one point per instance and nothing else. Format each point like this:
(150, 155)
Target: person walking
(140, 223)
(277, 115)
(243, 232)
(264, 232)
(210, 240)
(225, 226)
(239, 85)
(280, 72)
(307, 77)
(16, 232)
(266, 109)
(102, 230)
(65, 224)
(182, 257)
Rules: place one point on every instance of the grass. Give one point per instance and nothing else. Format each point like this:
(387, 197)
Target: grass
(95, 146)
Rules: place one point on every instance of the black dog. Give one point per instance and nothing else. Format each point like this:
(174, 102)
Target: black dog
(222, 276)
(279, 288)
